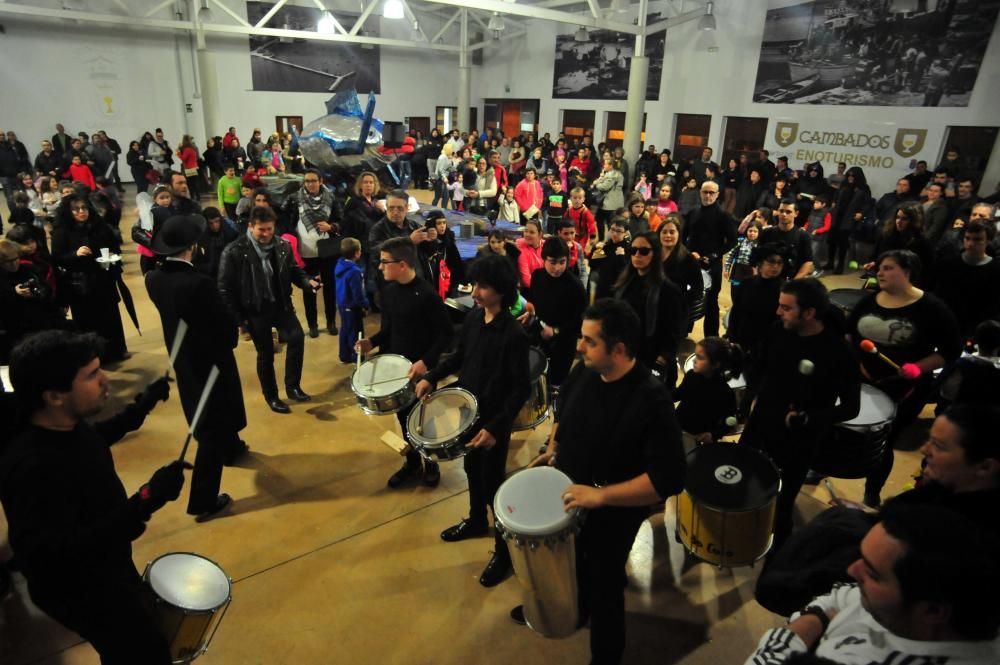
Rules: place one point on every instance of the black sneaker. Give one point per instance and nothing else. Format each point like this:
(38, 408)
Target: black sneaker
(432, 474)
(398, 478)
(813, 478)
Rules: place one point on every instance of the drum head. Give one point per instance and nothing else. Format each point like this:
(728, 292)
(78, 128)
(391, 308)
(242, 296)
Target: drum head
(447, 413)
(847, 299)
(380, 376)
(876, 408)
(537, 363)
(189, 581)
(530, 502)
(730, 477)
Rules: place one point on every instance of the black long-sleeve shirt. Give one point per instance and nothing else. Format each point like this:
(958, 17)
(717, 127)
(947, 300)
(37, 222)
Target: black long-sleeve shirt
(70, 519)
(415, 323)
(611, 432)
(711, 231)
(559, 301)
(492, 363)
(705, 403)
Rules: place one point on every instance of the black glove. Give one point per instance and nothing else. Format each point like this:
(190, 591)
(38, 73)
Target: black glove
(165, 485)
(157, 391)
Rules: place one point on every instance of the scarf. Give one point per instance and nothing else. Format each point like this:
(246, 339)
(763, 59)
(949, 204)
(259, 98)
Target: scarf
(265, 252)
(313, 209)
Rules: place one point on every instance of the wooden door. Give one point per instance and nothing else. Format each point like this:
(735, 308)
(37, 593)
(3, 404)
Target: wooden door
(421, 124)
(510, 118)
(284, 123)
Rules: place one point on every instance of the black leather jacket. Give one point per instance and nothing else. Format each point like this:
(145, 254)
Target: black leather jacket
(241, 277)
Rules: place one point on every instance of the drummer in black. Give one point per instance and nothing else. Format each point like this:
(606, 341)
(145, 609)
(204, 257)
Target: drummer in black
(615, 434)
(415, 325)
(491, 360)
(805, 380)
(71, 522)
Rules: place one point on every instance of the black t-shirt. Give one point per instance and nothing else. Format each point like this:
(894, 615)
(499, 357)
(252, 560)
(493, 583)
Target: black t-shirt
(612, 432)
(797, 243)
(705, 403)
(559, 301)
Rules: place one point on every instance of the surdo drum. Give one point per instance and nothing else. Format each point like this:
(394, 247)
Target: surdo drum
(855, 447)
(441, 425)
(541, 538)
(381, 385)
(536, 409)
(725, 515)
(190, 595)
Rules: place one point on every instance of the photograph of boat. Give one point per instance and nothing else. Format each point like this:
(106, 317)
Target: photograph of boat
(873, 52)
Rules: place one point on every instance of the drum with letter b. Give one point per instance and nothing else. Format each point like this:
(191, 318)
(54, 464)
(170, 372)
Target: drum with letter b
(541, 538)
(854, 448)
(441, 424)
(381, 385)
(190, 595)
(536, 409)
(725, 515)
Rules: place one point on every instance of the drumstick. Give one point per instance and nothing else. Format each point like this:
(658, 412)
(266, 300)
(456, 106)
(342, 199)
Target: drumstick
(182, 328)
(868, 346)
(829, 488)
(420, 418)
(213, 375)
(361, 336)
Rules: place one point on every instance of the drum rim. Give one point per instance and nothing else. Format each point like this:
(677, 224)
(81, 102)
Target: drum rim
(361, 394)
(225, 576)
(761, 453)
(734, 511)
(570, 519)
(736, 383)
(420, 442)
(854, 424)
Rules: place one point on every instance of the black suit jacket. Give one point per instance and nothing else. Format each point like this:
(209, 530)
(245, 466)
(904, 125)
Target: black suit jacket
(180, 291)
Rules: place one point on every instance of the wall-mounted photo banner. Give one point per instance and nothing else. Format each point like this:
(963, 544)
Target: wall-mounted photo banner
(598, 68)
(864, 53)
(290, 65)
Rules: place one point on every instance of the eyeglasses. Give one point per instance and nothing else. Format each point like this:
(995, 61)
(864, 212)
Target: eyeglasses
(641, 251)
(309, 180)
(386, 263)
(710, 192)
(76, 209)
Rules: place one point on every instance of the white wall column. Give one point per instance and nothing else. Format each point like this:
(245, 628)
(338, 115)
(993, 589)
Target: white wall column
(464, 77)
(636, 101)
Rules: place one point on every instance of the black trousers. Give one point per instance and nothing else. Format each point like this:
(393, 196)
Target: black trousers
(792, 457)
(213, 448)
(711, 322)
(114, 619)
(840, 243)
(602, 550)
(323, 267)
(413, 458)
(486, 470)
(288, 325)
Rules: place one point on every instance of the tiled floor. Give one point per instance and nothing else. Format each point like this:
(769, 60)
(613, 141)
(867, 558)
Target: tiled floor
(329, 566)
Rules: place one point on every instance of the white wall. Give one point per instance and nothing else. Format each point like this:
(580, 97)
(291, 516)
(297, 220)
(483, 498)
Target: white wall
(721, 84)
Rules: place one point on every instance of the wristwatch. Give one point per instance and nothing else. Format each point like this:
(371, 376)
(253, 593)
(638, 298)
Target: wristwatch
(819, 613)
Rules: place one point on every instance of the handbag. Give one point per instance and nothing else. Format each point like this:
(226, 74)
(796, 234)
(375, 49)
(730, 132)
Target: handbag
(190, 173)
(597, 195)
(477, 206)
(328, 248)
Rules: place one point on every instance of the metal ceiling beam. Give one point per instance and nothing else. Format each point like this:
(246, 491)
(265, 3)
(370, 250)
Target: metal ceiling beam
(160, 7)
(410, 16)
(239, 19)
(270, 14)
(690, 15)
(360, 22)
(125, 8)
(444, 28)
(595, 8)
(487, 42)
(336, 24)
(539, 13)
(189, 26)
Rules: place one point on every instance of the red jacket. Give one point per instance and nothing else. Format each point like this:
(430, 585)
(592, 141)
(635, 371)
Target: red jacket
(527, 194)
(227, 140)
(82, 173)
(583, 220)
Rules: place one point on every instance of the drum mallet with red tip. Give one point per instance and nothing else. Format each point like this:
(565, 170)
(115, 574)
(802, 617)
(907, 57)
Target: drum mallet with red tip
(868, 346)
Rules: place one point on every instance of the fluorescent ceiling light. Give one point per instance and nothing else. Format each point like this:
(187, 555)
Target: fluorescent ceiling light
(326, 24)
(392, 9)
(707, 22)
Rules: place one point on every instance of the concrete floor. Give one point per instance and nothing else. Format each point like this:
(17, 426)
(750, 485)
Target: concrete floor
(329, 566)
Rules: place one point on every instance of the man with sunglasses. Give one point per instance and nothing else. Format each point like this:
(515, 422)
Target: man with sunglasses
(710, 234)
(396, 224)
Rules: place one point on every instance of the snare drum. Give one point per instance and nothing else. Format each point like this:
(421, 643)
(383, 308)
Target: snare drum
(854, 447)
(847, 299)
(738, 383)
(381, 385)
(190, 595)
(441, 425)
(541, 538)
(725, 515)
(536, 409)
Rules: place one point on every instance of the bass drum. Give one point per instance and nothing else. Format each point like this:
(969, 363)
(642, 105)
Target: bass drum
(725, 515)
(536, 409)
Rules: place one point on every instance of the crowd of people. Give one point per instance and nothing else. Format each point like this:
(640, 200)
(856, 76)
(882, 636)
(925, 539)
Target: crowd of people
(612, 264)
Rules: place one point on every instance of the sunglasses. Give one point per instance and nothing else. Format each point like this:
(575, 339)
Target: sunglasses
(641, 251)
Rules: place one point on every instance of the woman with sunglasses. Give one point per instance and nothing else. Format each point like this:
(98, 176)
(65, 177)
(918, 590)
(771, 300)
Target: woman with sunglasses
(658, 303)
(91, 289)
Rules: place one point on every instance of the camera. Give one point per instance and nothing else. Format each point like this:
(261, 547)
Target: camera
(34, 286)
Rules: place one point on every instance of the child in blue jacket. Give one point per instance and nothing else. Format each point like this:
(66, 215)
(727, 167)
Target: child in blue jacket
(351, 299)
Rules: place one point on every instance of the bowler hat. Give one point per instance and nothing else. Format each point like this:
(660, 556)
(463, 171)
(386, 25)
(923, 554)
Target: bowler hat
(177, 234)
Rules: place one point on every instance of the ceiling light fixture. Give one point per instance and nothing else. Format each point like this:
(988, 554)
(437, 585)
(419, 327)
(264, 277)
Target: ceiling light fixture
(205, 14)
(326, 25)
(367, 34)
(392, 9)
(415, 34)
(496, 23)
(581, 35)
(707, 22)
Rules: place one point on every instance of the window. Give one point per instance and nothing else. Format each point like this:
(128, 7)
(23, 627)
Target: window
(284, 123)
(744, 136)
(974, 147)
(690, 136)
(577, 124)
(446, 118)
(616, 129)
